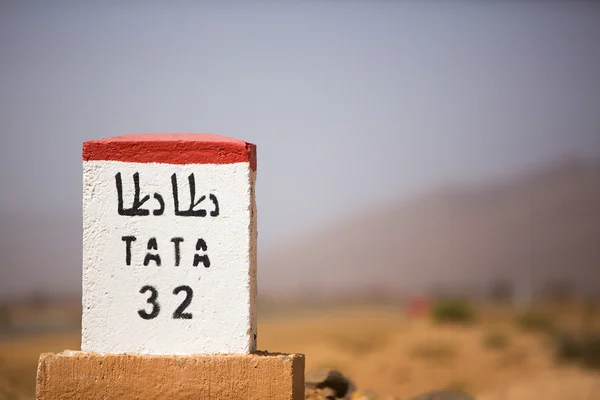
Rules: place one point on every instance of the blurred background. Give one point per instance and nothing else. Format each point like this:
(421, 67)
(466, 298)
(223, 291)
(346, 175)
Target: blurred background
(428, 185)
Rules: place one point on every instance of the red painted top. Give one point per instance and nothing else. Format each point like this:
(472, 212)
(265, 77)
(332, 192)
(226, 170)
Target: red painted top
(171, 148)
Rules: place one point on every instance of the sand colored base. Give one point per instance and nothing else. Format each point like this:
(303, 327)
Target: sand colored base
(79, 375)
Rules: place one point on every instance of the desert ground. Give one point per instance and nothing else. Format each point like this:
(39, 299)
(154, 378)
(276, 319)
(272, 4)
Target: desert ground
(384, 351)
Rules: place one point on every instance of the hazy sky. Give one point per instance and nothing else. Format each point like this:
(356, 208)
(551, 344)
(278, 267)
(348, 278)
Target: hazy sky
(350, 103)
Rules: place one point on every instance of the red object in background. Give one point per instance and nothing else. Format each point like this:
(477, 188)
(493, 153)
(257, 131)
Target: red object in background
(417, 306)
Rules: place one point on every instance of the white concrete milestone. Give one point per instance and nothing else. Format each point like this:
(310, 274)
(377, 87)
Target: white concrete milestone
(169, 247)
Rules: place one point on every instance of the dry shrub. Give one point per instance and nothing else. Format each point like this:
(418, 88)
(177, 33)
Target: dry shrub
(584, 349)
(453, 311)
(591, 351)
(567, 348)
(360, 344)
(459, 385)
(5, 317)
(434, 350)
(535, 321)
(361, 341)
(495, 340)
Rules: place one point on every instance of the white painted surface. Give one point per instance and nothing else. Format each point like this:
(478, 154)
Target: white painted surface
(223, 318)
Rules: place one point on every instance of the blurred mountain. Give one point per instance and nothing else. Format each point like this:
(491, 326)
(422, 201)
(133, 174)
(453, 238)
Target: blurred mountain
(40, 255)
(542, 227)
(534, 229)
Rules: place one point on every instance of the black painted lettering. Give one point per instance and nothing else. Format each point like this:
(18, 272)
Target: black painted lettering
(137, 203)
(214, 200)
(136, 208)
(179, 314)
(190, 212)
(176, 241)
(151, 300)
(161, 203)
(201, 245)
(128, 240)
(152, 245)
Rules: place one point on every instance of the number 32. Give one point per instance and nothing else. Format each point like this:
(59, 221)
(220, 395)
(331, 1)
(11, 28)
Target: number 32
(178, 314)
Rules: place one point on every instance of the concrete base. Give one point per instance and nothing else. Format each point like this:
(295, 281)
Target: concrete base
(80, 375)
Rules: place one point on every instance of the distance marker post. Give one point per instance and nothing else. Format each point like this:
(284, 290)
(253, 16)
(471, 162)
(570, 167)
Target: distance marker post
(169, 273)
